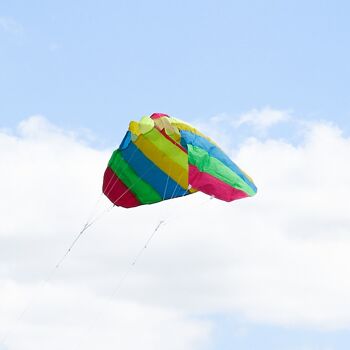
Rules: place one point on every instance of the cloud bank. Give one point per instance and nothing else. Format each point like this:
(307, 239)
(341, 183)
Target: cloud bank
(264, 118)
(279, 258)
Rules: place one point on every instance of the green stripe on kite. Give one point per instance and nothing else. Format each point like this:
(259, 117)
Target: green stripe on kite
(205, 163)
(141, 189)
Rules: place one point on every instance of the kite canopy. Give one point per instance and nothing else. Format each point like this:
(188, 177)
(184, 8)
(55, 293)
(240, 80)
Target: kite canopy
(162, 158)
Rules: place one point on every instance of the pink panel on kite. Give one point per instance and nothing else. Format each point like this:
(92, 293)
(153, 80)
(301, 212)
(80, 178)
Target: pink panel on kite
(213, 186)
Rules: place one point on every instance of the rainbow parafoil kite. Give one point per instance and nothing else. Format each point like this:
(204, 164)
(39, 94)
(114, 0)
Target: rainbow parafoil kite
(162, 158)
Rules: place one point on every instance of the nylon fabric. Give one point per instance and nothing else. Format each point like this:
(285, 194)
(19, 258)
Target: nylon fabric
(161, 158)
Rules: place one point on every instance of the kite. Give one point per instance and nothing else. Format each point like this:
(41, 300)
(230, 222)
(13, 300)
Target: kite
(162, 158)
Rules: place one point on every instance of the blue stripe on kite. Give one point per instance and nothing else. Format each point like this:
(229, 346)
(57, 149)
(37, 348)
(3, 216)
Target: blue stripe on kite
(187, 137)
(126, 140)
(149, 172)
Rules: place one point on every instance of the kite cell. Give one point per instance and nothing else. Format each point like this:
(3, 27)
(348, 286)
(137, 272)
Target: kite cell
(162, 158)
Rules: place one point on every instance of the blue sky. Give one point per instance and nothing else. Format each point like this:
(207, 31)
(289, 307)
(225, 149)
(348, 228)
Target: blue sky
(91, 66)
(98, 64)
(235, 335)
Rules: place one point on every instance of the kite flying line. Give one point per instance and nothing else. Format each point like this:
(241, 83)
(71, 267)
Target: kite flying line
(89, 222)
(133, 262)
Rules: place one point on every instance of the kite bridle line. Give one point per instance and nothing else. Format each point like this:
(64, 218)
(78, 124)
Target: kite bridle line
(90, 221)
(133, 262)
(91, 216)
(167, 181)
(109, 191)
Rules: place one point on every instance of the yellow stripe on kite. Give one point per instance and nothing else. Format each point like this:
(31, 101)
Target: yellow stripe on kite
(165, 155)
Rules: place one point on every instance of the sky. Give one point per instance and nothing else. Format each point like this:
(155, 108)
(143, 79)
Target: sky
(265, 79)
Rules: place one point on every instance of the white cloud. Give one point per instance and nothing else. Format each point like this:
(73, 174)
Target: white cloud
(74, 318)
(10, 25)
(233, 130)
(280, 257)
(264, 118)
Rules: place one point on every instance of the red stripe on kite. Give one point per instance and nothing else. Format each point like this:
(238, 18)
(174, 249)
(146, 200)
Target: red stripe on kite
(117, 192)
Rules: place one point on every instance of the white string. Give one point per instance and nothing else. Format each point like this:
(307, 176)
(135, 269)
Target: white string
(50, 275)
(90, 221)
(134, 261)
(88, 224)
